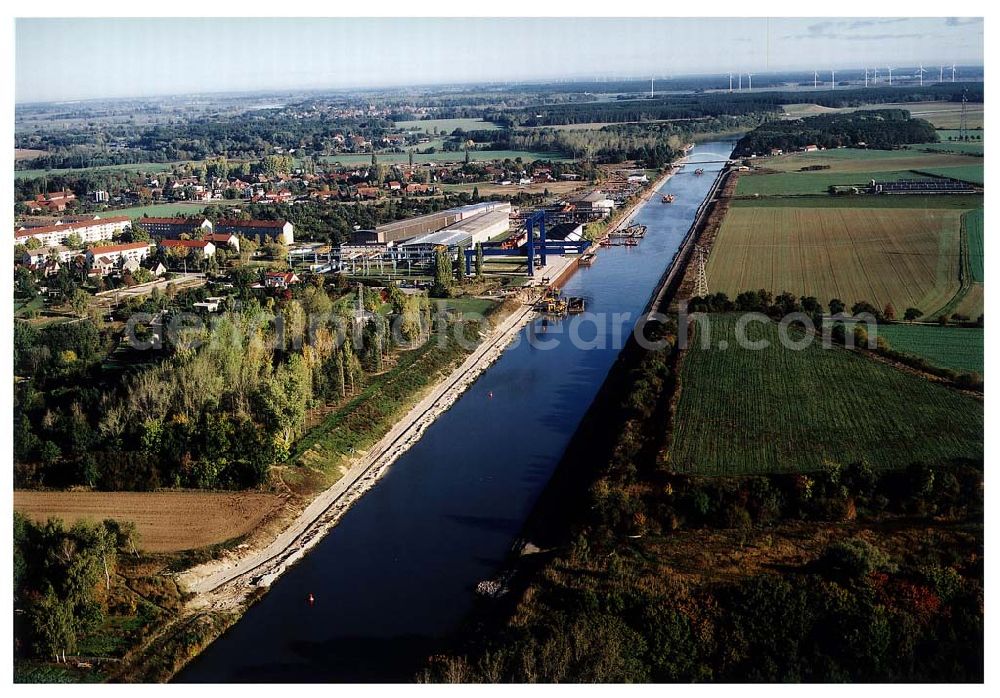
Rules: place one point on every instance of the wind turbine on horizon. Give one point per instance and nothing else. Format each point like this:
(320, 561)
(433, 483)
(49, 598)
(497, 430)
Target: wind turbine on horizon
(921, 74)
(940, 73)
(953, 72)
(833, 79)
(889, 68)
(866, 77)
(875, 78)
(740, 88)
(749, 82)
(815, 79)
(730, 81)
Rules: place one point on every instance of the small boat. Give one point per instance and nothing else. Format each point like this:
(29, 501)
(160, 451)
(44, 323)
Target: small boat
(576, 304)
(699, 172)
(588, 259)
(667, 198)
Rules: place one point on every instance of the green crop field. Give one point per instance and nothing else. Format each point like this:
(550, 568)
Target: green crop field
(906, 256)
(961, 202)
(966, 148)
(742, 411)
(805, 183)
(139, 167)
(446, 125)
(957, 348)
(863, 160)
(163, 210)
(967, 173)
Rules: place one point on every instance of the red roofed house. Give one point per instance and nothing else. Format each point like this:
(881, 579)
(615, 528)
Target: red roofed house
(219, 239)
(53, 202)
(280, 279)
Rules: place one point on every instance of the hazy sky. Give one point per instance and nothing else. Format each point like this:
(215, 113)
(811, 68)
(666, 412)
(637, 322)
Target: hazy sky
(85, 58)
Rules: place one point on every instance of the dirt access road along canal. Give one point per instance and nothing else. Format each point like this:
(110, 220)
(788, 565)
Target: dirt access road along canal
(399, 570)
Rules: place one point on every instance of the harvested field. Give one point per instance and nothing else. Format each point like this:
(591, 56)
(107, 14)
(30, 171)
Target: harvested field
(941, 114)
(909, 257)
(944, 114)
(957, 348)
(28, 153)
(167, 521)
(973, 303)
(744, 411)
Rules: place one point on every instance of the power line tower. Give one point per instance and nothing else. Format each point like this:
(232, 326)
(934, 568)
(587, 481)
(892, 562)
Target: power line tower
(700, 278)
(963, 124)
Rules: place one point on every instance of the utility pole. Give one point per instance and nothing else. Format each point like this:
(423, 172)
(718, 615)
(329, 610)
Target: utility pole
(700, 279)
(963, 128)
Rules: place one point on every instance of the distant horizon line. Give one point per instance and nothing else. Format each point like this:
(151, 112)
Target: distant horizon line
(582, 78)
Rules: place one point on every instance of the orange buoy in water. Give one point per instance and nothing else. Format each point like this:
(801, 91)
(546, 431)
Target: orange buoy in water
(312, 599)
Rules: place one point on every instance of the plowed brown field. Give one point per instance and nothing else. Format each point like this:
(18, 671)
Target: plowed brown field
(167, 521)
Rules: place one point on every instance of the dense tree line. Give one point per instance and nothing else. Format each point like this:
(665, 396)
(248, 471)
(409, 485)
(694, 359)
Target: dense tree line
(63, 582)
(244, 135)
(884, 129)
(214, 407)
(652, 145)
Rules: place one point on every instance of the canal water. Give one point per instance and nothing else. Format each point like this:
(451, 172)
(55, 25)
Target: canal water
(399, 570)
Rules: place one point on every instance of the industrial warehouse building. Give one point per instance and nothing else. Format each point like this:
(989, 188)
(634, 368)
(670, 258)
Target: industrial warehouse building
(468, 232)
(570, 232)
(431, 223)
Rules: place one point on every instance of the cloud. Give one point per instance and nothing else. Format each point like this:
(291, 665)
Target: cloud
(844, 30)
(962, 21)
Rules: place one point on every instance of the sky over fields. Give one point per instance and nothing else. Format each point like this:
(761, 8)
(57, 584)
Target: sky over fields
(96, 58)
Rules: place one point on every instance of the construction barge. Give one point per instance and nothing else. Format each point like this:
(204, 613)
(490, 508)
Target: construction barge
(628, 236)
(555, 304)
